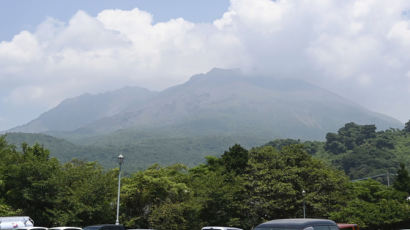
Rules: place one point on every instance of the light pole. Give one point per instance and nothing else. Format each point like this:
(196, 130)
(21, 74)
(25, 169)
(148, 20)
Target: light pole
(304, 204)
(120, 160)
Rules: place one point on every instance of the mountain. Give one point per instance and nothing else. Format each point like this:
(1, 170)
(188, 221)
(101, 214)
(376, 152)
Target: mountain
(59, 148)
(140, 150)
(227, 102)
(203, 116)
(220, 102)
(76, 112)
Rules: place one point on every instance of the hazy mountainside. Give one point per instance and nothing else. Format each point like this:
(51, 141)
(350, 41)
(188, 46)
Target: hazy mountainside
(358, 150)
(140, 149)
(226, 102)
(76, 112)
(59, 148)
(203, 116)
(220, 102)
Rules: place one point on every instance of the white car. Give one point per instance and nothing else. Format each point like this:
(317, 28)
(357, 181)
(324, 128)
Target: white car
(219, 228)
(14, 222)
(65, 228)
(31, 228)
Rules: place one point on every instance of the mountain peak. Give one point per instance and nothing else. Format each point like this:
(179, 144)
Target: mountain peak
(217, 73)
(219, 101)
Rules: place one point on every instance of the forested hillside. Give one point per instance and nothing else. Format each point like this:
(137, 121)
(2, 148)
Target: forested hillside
(359, 150)
(240, 188)
(140, 149)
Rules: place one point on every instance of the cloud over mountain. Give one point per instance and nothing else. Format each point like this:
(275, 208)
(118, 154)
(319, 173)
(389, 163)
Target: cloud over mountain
(358, 48)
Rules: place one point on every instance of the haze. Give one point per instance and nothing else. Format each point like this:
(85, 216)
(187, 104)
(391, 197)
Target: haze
(359, 49)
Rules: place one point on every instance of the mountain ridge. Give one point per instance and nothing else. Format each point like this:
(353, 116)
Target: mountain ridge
(220, 101)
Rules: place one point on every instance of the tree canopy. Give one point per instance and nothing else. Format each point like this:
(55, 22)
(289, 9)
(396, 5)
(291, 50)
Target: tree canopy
(242, 187)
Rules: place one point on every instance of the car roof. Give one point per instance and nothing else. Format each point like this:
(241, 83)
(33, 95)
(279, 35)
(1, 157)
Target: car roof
(65, 227)
(296, 223)
(35, 227)
(3, 218)
(212, 227)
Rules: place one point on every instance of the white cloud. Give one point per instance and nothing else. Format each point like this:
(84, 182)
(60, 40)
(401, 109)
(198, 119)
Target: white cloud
(354, 47)
(26, 94)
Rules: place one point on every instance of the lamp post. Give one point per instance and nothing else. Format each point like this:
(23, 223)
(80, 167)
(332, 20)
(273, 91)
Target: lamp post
(120, 160)
(304, 204)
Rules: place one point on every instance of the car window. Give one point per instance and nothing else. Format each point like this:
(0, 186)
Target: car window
(272, 228)
(92, 228)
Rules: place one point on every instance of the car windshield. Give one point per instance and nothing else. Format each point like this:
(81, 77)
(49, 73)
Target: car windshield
(31, 228)
(92, 228)
(273, 228)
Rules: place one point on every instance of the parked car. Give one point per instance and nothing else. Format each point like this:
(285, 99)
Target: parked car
(65, 228)
(219, 228)
(348, 226)
(32, 228)
(13, 222)
(105, 227)
(298, 224)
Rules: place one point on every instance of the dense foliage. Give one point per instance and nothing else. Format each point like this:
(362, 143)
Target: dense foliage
(240, 188)
(142, 149)
(33, 184)
(360, 150)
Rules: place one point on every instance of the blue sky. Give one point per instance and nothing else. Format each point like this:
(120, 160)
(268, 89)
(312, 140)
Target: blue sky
(18, 15)
(52, 50)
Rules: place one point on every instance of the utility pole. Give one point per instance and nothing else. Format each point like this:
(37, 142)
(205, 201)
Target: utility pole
(120, 161)
(304, 203)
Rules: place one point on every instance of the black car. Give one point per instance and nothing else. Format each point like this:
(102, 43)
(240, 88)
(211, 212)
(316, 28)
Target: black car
(298, 224)
(105, 227)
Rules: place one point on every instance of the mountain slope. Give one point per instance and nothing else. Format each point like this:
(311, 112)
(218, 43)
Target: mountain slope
(59, 148)
(203, 116)
(140, 151)
(226, 102)
(76, 112)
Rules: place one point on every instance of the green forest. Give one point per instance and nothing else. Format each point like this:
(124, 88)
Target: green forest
(241, 187)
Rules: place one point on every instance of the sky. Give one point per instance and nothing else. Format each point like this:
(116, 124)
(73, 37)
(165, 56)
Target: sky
(52, 50)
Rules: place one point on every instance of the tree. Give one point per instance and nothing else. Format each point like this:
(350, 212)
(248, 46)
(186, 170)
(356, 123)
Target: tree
(29, 183)
(6, 210)
(236, 159)
(348, 137)
(86, 194)
(373, 205)
(280, 143)
(275, 180)
(333, 144)
(402, 180)
(407, 127)
(148, 194)
(366, 160)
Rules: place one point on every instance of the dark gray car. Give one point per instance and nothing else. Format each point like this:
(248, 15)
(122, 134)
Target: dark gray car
(105, 227)
(298, 224)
